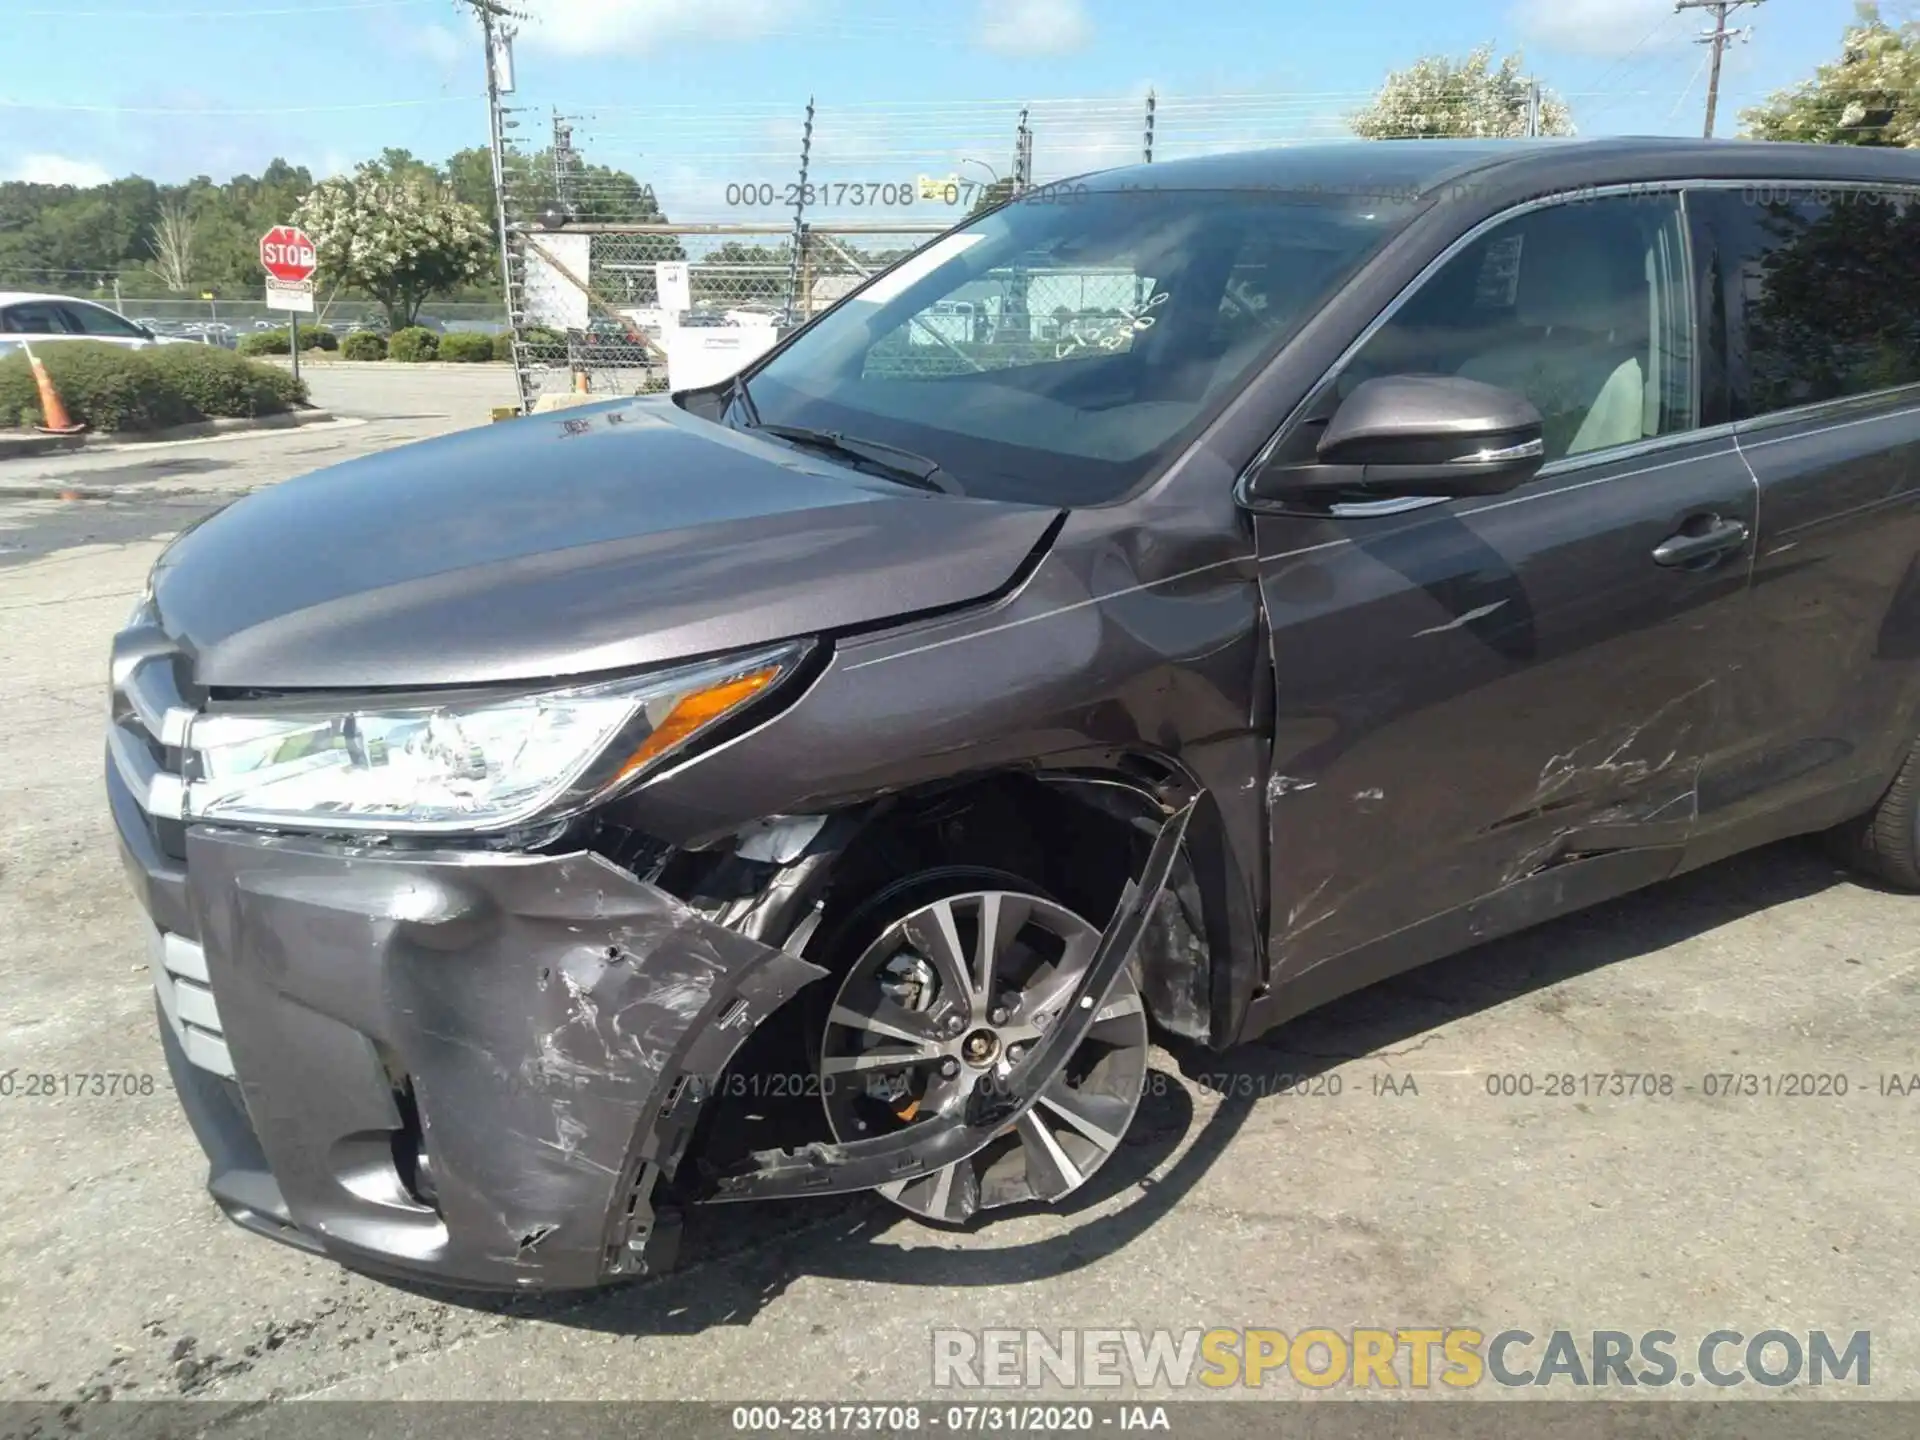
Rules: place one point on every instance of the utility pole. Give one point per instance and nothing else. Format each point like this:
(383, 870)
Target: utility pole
(1719, 38)
(499, 55)
(1533, 109)
(563, 158)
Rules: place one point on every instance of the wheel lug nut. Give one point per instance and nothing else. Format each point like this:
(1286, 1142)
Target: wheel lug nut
(949, 1068)
(998, 1015)
(955, 1025)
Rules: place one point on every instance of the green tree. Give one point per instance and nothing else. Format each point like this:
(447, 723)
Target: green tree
(994, 193)
(1869, 96)
(1440, 97)
(395, 234)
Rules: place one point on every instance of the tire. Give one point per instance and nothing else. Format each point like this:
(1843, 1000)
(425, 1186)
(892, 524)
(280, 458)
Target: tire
(888, 961)
(1885, 842)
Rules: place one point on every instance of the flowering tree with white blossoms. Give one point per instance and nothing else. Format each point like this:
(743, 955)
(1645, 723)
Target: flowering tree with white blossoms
(1869, 96)
(1443, 98)
(398, 236)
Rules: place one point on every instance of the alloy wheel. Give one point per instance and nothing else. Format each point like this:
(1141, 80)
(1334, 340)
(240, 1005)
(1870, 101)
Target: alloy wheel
(948, 998)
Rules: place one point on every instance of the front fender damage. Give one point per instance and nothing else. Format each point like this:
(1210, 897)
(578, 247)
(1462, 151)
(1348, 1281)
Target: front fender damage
(953, 1135)
(545, 1032)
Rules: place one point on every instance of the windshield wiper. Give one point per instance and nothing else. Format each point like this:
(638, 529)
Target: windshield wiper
(908, 465)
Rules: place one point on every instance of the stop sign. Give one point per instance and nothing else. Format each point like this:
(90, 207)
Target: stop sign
(287, 253)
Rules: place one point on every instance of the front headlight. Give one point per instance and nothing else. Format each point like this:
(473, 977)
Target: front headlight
(478, 763)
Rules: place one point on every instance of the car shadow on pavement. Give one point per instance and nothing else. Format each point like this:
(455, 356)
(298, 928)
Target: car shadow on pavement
(736, 1259)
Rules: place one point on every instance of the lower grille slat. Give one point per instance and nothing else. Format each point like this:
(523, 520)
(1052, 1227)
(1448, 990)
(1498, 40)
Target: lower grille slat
(179, 969)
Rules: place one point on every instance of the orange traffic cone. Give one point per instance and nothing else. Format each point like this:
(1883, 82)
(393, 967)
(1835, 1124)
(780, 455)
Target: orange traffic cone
(52, 412)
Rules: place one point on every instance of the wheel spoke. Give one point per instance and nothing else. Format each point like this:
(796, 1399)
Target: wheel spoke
(942, 1191)
(1052, 988)
(885, 1058)
(1119, 1008)
(933, 934)
(895, 1022)
(1002, 917)
(1101, 1118)
(1050, 1171)
(934, 1194)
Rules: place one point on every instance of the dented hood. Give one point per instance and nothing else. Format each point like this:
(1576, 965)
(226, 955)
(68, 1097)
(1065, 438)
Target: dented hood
(602, 538)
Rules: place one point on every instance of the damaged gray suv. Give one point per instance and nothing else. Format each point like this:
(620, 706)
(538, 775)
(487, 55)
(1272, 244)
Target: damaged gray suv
(1156, 607)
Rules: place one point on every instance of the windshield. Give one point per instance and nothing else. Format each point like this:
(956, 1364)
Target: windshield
(1060, 349)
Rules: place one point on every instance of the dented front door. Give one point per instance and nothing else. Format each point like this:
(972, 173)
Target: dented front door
(1470, 693)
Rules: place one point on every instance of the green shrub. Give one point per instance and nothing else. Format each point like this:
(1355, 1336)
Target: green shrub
(107, 387)
(503, 345)
(274, 342)
(541, 341)
(466, 346)
(416, 342)
(364, 345)
(217, 383)
(263, 342)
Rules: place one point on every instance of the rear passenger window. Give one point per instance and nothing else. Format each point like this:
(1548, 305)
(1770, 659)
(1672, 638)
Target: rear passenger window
(1581, 307)
(34, 317)
(1820, 289)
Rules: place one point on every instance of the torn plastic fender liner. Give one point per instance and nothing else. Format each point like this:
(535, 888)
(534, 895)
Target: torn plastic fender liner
(558, 1022)
(956, 1134)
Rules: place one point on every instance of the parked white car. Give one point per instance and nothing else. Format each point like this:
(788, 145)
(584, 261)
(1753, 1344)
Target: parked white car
(61, 317)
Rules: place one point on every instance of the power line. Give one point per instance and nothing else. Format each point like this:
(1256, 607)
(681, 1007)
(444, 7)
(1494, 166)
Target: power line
(248, 14)
(1718, 38)
(255, 110)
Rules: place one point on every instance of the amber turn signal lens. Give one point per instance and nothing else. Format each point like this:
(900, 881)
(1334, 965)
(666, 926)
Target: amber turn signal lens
(694, 712)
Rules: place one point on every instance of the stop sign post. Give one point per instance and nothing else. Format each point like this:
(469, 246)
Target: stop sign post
(288, 257)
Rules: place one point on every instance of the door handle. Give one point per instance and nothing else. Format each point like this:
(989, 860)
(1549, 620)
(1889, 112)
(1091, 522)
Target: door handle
(1716, 538)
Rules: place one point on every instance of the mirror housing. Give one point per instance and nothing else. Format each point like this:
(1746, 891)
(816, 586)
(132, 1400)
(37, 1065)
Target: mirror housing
(1413, 436)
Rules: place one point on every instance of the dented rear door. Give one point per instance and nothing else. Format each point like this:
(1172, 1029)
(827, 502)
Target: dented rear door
(1476, 691)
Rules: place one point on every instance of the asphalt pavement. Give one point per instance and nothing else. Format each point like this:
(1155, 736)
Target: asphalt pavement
(1408, 1157)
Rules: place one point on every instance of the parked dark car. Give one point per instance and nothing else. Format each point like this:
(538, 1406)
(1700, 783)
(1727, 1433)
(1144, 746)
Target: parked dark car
(1444, 537)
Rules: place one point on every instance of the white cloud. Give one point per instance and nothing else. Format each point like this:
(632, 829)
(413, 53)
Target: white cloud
(58, 170)
(598, 27)
(1596, 27)
(441, 47)
(1034, 27)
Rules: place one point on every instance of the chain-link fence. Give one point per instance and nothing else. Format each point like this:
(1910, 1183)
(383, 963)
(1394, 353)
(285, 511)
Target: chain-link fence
(614, 309)
(609, 297)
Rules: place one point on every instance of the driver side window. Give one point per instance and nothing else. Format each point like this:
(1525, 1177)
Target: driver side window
(1581, 307)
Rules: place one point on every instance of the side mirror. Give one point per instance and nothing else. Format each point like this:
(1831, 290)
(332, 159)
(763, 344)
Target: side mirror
(1413, 435)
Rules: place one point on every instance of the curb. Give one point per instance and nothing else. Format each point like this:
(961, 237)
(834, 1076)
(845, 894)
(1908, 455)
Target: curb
(12, 447)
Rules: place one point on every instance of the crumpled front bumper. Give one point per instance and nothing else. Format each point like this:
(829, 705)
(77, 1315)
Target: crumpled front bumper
(463, 1067)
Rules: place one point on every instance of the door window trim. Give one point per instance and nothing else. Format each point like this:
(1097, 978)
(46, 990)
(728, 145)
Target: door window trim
(1565, 464)
(1834, 406)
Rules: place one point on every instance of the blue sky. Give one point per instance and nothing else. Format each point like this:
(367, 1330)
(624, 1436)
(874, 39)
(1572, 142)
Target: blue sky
(695, 94)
